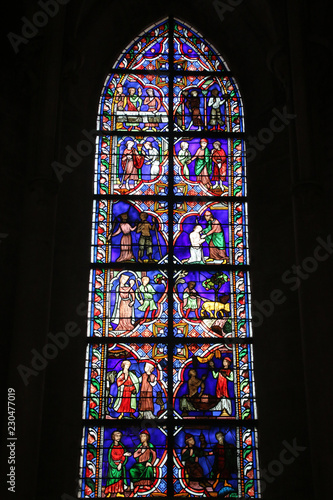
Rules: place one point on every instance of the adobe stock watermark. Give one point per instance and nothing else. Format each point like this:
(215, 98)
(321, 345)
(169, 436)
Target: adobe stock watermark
(279, 121)
(31, 27)
(276, 467)
(292, 277)
(224, 7)
(50, 351)
(75, 156)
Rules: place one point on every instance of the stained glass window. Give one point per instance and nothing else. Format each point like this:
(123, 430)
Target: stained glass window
(169, 396)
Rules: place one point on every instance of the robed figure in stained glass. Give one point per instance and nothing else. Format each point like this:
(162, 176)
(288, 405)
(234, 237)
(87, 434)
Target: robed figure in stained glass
(126, 253)
(215, 238)
(131, 163)
(203, 164)
(225, 461)
(154, 104)
(148, 381)
(128, 387)
(193, 104)
(215, 102)
(185, 157)
(142, 473)
(190, 457)
(117, 458)
(152, 159)
(223, 375)
(123, 312)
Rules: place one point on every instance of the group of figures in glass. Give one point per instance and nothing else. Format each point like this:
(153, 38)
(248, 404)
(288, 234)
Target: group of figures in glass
(157, 392)
(209, 162)
(131, 394)
(136, 298)
(146, 228)
(143, 237)
(133, 464)
(202, 161)
(142, 107)
(205, 388)
(141, 473)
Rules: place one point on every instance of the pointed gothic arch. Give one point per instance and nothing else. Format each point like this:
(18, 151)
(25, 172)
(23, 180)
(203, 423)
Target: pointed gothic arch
(170, 276)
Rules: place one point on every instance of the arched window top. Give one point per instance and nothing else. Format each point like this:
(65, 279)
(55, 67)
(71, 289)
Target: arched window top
(148, 51)
(192, 55)
(151, 49)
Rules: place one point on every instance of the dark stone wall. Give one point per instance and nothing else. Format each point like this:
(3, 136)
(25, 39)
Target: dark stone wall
(281, 56)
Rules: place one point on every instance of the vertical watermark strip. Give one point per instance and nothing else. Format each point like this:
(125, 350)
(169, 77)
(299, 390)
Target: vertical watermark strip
(11, 440)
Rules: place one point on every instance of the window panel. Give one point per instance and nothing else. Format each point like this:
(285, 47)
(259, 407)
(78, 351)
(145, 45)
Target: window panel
(210, 304)
(193, 362)
(136, 102)
(128, 303)
(132, 165)
(224, 465)
(126, 381)
(207, 103)
(133, 448)
(192, 53)
(133, 231)
(213, 166)
(213, 381)
(210, 233)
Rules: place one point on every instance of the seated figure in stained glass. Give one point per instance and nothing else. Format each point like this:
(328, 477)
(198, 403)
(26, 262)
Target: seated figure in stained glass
(142, 473)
